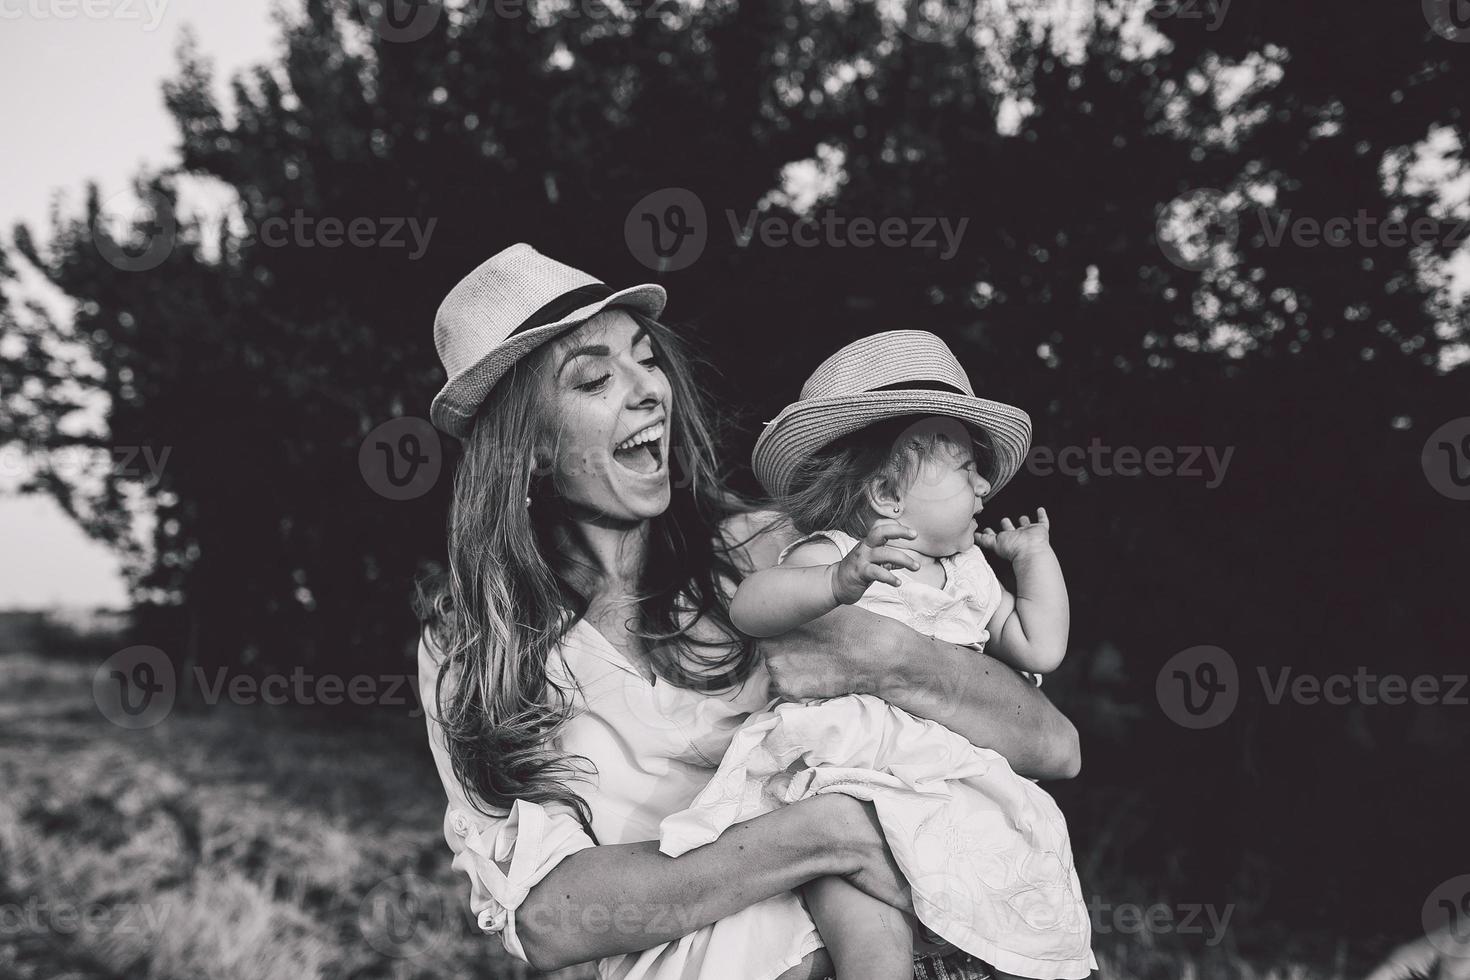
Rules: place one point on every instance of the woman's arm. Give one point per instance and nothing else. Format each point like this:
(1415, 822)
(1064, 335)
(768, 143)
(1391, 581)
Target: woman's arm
(853, 651)
(622, 898)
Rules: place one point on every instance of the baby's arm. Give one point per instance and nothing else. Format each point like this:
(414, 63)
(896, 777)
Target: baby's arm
(867, 939)
(812, 581)
(1029, 630)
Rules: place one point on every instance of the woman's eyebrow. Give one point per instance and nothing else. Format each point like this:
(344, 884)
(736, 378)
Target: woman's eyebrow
(589, 350)
(597, 350)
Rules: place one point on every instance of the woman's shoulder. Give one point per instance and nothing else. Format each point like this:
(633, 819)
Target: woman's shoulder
(758, 536)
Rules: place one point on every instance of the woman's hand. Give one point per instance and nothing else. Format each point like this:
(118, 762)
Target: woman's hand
(853, 651)
(858, 838)
(847, 651)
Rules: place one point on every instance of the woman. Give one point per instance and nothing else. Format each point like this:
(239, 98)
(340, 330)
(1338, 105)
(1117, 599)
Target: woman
(580, 671)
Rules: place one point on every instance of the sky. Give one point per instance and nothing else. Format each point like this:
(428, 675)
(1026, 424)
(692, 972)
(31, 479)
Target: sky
(82, 80)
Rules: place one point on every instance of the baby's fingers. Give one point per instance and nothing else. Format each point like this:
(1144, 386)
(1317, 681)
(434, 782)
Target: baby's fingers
(891, 556)
(885, 531)
(1006, 525)
(1041, 517)
(873, 572)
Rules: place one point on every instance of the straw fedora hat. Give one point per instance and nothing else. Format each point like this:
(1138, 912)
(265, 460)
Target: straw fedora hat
(887, 375)
(512, 303)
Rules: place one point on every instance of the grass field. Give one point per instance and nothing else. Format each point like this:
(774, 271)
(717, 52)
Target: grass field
(258, 843)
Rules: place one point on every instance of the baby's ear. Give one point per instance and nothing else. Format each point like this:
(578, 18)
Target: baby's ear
(882, 497)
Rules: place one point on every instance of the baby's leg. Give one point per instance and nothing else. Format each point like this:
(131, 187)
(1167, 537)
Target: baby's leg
(867, 939)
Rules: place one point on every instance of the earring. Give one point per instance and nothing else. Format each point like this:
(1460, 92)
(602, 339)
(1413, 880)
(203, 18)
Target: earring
(528, 501)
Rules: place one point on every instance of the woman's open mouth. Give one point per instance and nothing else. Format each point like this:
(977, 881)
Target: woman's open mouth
(643, 451)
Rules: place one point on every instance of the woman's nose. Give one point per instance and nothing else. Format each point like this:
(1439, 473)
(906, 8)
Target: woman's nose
(644, 389)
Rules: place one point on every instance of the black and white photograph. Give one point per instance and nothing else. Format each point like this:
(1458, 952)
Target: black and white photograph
(734, 490)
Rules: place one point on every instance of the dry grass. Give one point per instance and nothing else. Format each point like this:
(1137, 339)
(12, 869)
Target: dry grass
(229, 845)
(246, 844)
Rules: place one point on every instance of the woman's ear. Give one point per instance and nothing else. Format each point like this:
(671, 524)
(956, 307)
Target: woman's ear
(883, 497)
(542, 462)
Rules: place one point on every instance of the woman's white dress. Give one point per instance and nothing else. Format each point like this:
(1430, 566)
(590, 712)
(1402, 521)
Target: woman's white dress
(985, 850)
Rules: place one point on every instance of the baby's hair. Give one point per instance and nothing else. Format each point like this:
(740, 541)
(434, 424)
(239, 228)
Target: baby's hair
(829, 488)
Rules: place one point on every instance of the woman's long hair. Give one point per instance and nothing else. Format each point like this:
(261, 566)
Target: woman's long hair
(503, 605)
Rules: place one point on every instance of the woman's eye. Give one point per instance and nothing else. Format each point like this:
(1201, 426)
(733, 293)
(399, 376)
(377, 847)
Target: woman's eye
(593, 385)
(651, 361)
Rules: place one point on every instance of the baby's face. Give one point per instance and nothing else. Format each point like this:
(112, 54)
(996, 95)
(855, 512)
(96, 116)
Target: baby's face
(943, 501)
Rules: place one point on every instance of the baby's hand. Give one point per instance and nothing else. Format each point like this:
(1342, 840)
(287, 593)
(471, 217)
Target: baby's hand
(1014, 541)
(870, 562)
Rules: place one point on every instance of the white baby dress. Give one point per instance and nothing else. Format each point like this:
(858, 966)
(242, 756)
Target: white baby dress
(985, 850)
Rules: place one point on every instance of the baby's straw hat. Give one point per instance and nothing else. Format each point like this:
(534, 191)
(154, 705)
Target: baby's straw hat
(509, 305)
(900, 372)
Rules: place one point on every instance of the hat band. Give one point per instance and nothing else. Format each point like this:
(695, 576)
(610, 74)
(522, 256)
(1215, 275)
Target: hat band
(567, 302)
(923, 386)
